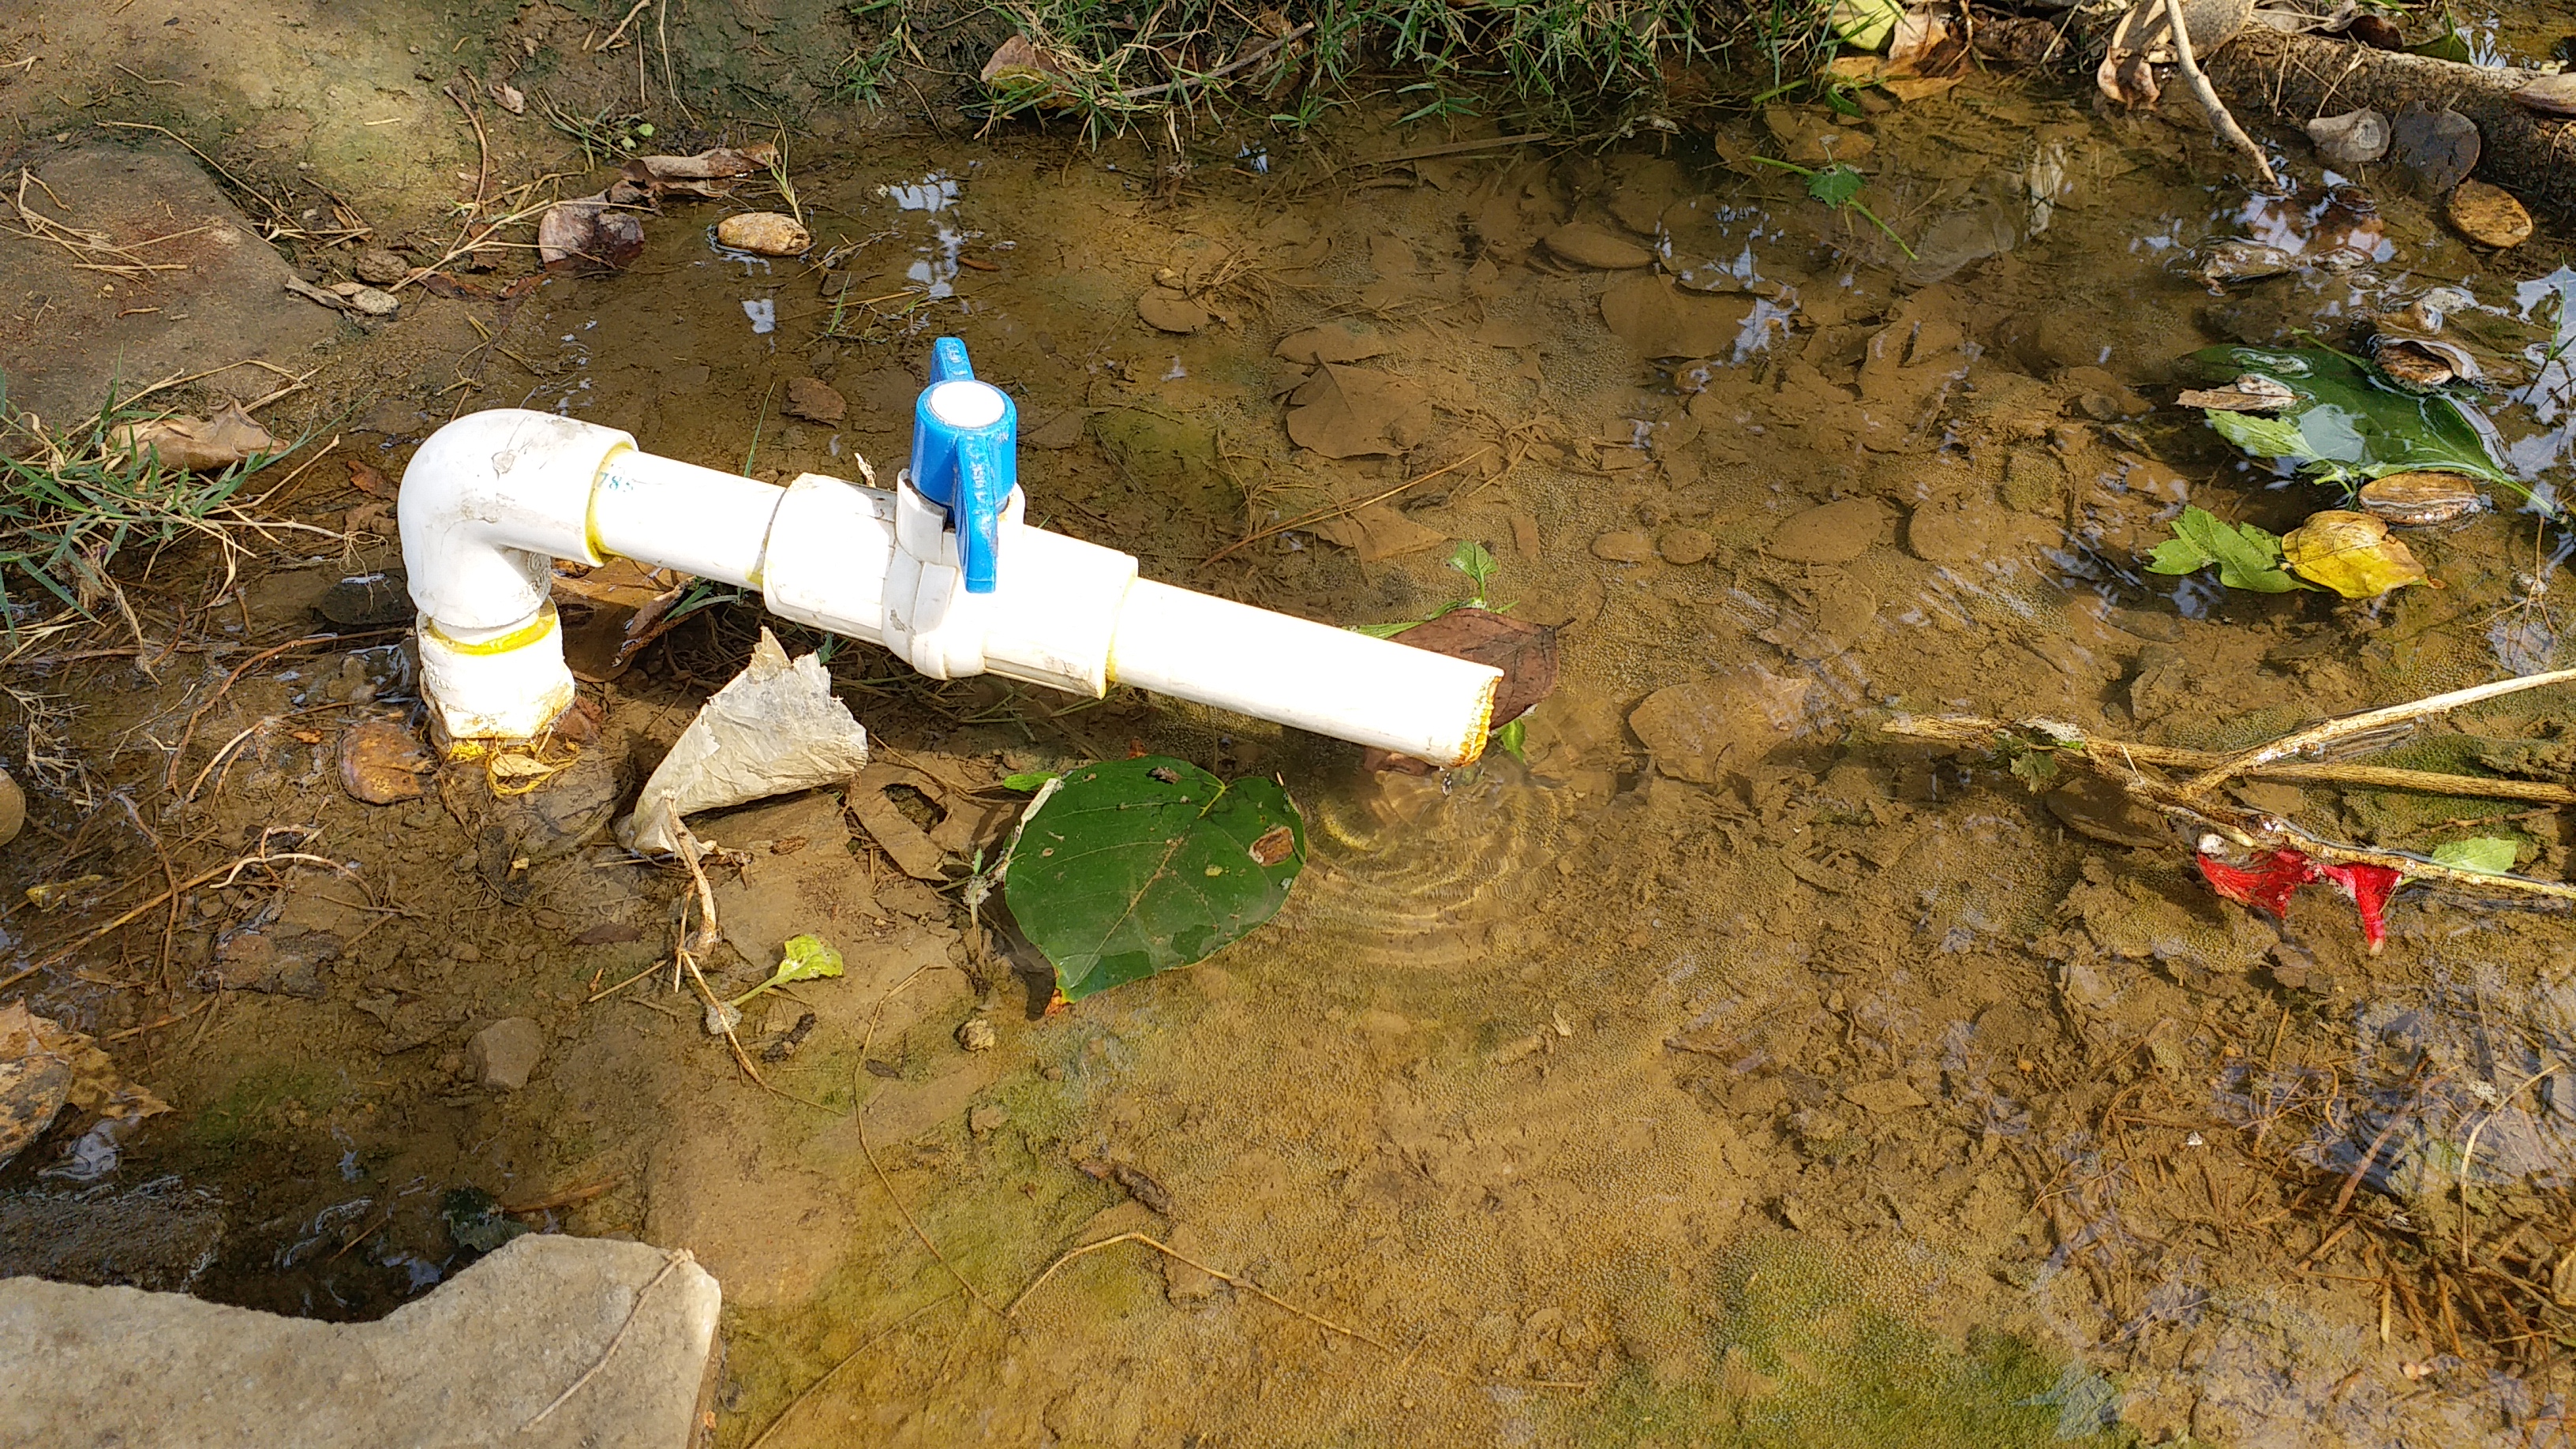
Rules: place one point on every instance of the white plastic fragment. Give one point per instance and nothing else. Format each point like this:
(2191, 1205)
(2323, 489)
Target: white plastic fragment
(773, 729)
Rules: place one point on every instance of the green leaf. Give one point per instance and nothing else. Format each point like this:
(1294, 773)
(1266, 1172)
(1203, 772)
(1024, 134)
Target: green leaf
(1471, 559)
(2247, 557)
(2178, 556)
(2262, 436)
(2037, 769)
(804, 958)
(2348, 426)
(2487, 854)
(1028, 783)
(1513, 740)
(1835, 185)
(1138, 866)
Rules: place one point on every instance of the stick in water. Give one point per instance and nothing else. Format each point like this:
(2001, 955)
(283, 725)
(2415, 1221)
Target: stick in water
(2220, 120)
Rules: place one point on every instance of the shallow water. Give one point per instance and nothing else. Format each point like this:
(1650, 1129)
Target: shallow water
(1796, 1087)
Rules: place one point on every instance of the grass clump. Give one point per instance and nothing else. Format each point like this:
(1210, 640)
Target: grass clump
(1560, 65)
(71, 502)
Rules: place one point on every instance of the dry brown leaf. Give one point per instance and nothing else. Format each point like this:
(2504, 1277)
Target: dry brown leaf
(194, 445)
(1525, 652)
(620, 582)
(369, 479)
(1017, 66)
(510, 98)
(45, 1067)
(1352, 412)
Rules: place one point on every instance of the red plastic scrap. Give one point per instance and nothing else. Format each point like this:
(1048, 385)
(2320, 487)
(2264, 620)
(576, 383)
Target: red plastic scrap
(2267, 881)
(2265, 884)
(2368, 887)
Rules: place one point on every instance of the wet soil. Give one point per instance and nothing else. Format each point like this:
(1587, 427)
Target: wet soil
(1723, 1074)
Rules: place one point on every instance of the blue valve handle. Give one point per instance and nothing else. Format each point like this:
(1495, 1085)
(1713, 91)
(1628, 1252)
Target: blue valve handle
(965, 458)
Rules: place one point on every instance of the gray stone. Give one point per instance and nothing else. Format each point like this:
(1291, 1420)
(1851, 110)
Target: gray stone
(504, 1053)
(476, 1362)
(76, 333)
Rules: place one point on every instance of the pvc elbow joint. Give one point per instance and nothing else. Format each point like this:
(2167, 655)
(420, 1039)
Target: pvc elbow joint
(487, 504)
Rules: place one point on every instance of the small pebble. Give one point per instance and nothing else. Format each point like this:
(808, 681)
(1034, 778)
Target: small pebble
(1685, 545)
(1625, 546)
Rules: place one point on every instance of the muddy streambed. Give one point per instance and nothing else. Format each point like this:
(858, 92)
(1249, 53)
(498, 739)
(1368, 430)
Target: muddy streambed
(1723, 1074)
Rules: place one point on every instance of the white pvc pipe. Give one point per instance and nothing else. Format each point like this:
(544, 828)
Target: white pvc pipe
(489, 499)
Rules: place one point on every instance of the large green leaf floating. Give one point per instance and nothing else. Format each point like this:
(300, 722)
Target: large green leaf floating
(2349, 427)
(1137, 866)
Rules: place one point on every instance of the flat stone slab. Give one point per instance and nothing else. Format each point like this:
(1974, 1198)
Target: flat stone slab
(215, 294)
(476, 1362)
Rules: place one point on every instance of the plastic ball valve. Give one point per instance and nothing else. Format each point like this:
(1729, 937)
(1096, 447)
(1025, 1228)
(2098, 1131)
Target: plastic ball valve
(965, 459)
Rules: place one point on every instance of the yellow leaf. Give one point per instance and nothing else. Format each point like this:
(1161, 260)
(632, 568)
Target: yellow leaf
(2350, 553)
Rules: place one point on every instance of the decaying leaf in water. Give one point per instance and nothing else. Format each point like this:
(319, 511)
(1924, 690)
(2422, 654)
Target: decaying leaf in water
(2438, 148)
(2350, 553)
(195, 445)
(1352, 412)
(1379, 531)
(1167, 310)
(588, 235)
(2251, 392)
(815, 400)
(369, 479)
(1657, 321)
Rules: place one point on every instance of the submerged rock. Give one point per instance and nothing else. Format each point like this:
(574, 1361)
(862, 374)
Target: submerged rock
(2488, 215)
(1697, 731)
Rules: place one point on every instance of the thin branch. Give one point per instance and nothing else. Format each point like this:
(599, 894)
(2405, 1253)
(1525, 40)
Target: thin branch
(2220, 120)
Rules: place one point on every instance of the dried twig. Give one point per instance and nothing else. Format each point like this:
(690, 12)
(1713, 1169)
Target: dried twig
(1965, 729)
(2326, 732)
(2220, 120)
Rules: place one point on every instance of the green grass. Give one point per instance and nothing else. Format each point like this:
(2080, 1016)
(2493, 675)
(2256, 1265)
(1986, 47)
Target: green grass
(1563, 65)
(72, 502)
